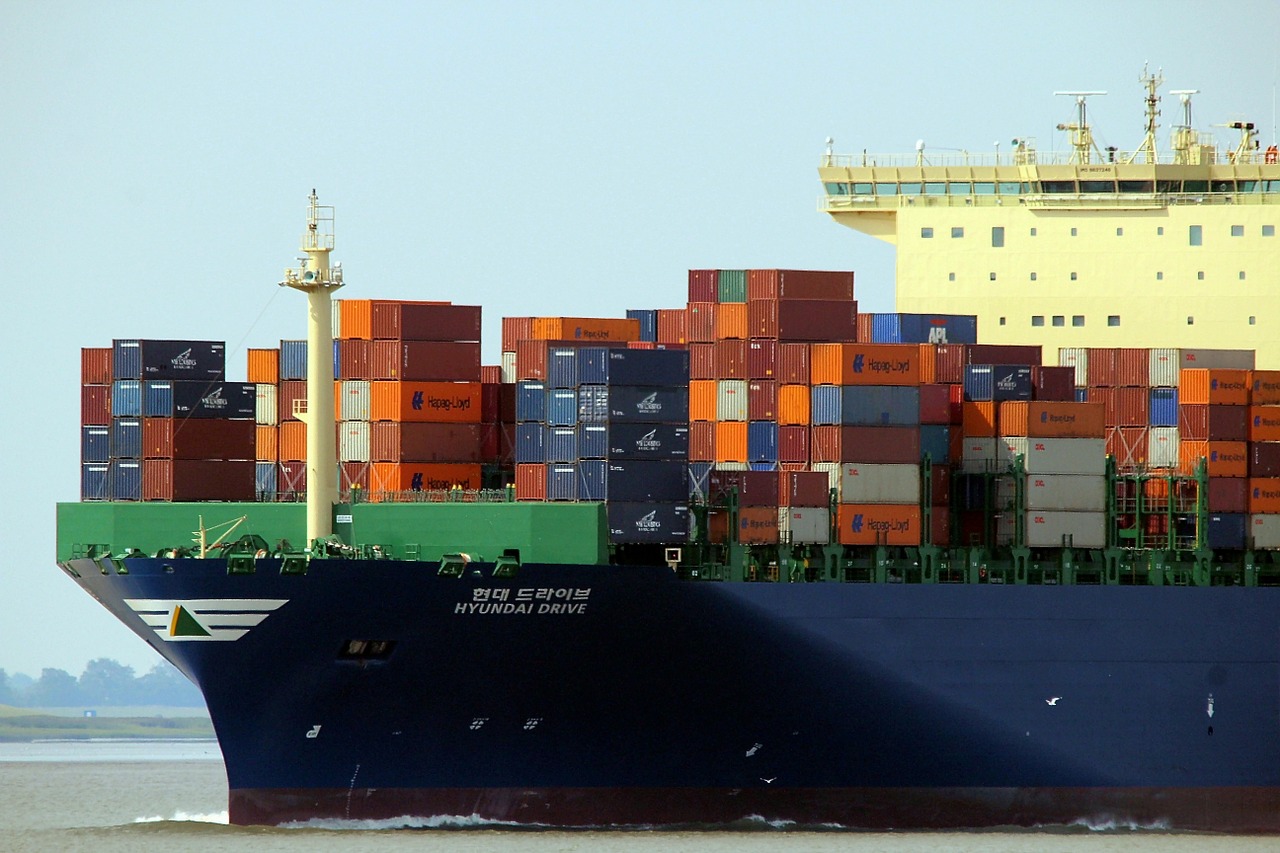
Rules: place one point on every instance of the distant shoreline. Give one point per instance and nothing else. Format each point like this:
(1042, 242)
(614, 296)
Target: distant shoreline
(18, 727)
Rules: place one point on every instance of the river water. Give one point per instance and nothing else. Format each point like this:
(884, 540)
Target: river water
(126, 796)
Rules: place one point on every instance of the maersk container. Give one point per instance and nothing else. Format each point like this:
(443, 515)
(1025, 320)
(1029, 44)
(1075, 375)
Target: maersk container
(142, 359)
(869, 483)
(804, 525)
(95, 444)
(126, 438)
(1056, 492)
(647, 441)
(126, 398)
(648, 523)
(562, 407)
(293, 360)
(1162, 447)
(1163, 408)
(935, 443)
(562, 444)
(562, 482)
(825, 406)
(562, 367)
(126, 480)
(731, 400)
(1054, 455)
(531, 401)
(997, 382)
(924, 329)
(266, 476)
(1226, 531)
(226, 400)
(879, 405)
(530, 442)
(648, 319)
(95, 481)
(1264, 531)
(762, 441)
(646, 480)
(653, 367)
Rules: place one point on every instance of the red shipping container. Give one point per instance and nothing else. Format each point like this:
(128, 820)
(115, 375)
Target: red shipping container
(95, 365)
(491, 374)
(514, 330)
(1053, 384)
(95, 405)
(1264, 459)
(1128, 445)
(793, 444)
(702, 441)
(701, 323)
(957, 406)
(1127, 407)
(804, 488)
(799, 284)
(198, 480)
(425, 321)
(731, 359)
(935, 404)
(672, 326)
(291, 390)
(940, 484)
(762, 401)
(879, 444)
(531, 481)
(426, 361)
(762, 358)
(291, 478)
(1199, 422)
(1132, 367)
(198, 438)
(814, 320)
(392, 441)
(702, 361)
(1002, 354)
(1102, 367)
(866, 327)
(973, 529)
(943, 363)
(703, 285)
(354, 359)
(940, 526)
(755, 488)
(353, 476)
(824, 444)
(793, 364)
(879, 524)
(1228, 494)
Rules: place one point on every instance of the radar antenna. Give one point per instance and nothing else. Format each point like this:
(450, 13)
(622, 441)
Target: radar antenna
(1081, 135)
(1184, 138)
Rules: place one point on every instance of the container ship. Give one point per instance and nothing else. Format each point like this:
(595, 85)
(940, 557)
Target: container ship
(760, 557)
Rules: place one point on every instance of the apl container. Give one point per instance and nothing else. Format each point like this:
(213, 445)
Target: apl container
(144, 359)
(653, 523)
(924, 329)
(95, 481)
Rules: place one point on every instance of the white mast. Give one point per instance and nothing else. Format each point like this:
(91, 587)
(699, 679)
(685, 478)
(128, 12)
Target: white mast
(318, 281)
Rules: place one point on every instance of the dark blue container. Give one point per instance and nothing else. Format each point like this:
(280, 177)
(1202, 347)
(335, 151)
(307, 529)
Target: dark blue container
(648, 367)
(126, 438)
(879, 405)
(648, 318)
(699, 474)
(562, 444)
(142, 359)
(1082, 395)
(337, 363)
(924, 329)
(644, 404)
(593, 480)
(762, 441)
(1227, 531)
(593, 366)
(645, 480)
(562, 482)
(593, 440)
(997, 382)
(95, 444)
(972, 491)
(531, 442)
(562, 367)
(126, 398)
(562, 407)
(176, 399)
(531, 401)
(266, 478)
(935, 442)
(648, 441)
(824, 405)
(648, 523)
(126, 480)
(1164, 407)
(293, 360)
(762, 466)
(95, 481)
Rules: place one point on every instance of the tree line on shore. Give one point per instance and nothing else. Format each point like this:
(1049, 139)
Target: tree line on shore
(104, 682)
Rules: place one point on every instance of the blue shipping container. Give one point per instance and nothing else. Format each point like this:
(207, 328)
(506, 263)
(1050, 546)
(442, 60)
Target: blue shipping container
(648, 441)
(95, 444)
(997, 382)
(648, 318)
(762, 441)
(266, 478)
(593, 440)
(593, 479)
(95, 481)
(699, 479)
(531, 401)
(648, 523)
(562, 482)
(562, 444)
(924, 329)
(293, 360)
(762, 466)
(126, 438)
(531, 442)
(648, 367)
(935, 442)
(176, 399)
(879, 405)
(824, 405)
(126, 480)
(562, 407)
(1227, 531)
(593, 366)
(562, 367)
(1082, 395)
(1164, 407)
(126, 398)
(143, 359)
(647, 480)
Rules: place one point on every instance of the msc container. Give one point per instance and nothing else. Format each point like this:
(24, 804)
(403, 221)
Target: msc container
(562, 367)
(174, 398)
(142, 359)
(799, 285)
(1264, 423)
(883, 405)
(195, 439)
(879, 524)
(646, 480)
(126, 398)
(1078, 359)
(1055, 455)
(1226, 531)
(95, 365)
(731, 400)
(652, 523)
(440, 402)
(531, 401)
(1051, 419)
(392, 441)
(293, 360)
(1264, 532)
(997, 382)
(730, 359)
(924, 328)
(1162, 447)
(1219, 385)
(825, 404)
(198, 480)
(424, 321)
(126, 480)
(95, 444)
(1264, 459)
(648, 320)
(562, 407)
(628, 403)
(804, 525)
(646, 441)
(426, 361)
(865, 364)
(864, 483)
(126, 438)
(95, 404)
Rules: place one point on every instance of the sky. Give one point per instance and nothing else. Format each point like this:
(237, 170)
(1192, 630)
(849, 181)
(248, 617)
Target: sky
(536, 159)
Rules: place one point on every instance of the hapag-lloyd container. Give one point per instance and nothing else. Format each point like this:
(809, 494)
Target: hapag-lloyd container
(1051, 419)
(586, 329)
(803, 320)
(1264, 531)
(647, 522)
(1059, 492)
(879, 524)
(1264, 387)
(174, 438)
(1050, 529)
(804, 525)
(146, 359)
(422, 476)
(1219, 385)
(425, 321)
(1055, 455)
(869, 483)
(1264, 423)
(865, 364)
(1223, 458)
(441, 402)
(646, 480)
(391, 441)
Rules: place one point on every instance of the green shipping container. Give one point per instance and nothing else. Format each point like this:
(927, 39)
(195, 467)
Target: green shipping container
(731, 285)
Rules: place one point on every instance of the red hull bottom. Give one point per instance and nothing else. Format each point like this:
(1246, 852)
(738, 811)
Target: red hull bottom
(1226, 809)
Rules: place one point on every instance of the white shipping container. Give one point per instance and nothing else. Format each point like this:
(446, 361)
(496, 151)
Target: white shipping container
(355, 400)
(335, 320)
(353, 441)
(1264, 531)
(871, 483)
(731, 400)
(1164, 364)
(1055, 455)
(1077, 357)
(1162, 447)
(508, 367)
(732, 466)
(1234, 359)
(1060, 492)
(832, 470)
(1049, 529)
(266, 410)
(805, 525)
(979, 455)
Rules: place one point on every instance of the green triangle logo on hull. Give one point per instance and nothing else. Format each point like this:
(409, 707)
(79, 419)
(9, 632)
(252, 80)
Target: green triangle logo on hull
(184, 624)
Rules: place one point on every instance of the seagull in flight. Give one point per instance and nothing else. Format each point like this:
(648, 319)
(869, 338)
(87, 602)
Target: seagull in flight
(768, 781)
(1052, 700)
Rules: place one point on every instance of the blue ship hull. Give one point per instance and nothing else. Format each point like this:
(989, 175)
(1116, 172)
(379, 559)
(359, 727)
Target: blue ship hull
(598, 695)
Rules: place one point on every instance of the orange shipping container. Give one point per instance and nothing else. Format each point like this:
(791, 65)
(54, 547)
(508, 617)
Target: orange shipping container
(1264, 387)
(702, 399)
(356, 318)
(731, 441)
(1264, 495)
(1042, 419)
(978, 420)
(421, 476)
(731, 320)
(865, 364)
(1264, 423)
(793, 404)
(1225, 458)
(292, 441)
(879, 524)
(433, 402)
(603, 329)
(267, 442)
(1230, 387)
(264, 366)
(672, 326)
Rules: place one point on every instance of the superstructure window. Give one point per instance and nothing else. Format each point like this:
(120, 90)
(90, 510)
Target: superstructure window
(1119, 232)
(1009, 187)
(1195, 186)
(1191, 321)
(1242, 275)
(1097, 186)
(957, 231)
(1224, 186)
(1037, 320)
(1268, 231)
(1253, 321)
(1200, 275)
(935, 188)
(951, 276)
(1136, 186)
(862, 188)
(912, 188)
(997, 236)
(1059, 320)
(926, 233)
(837, 189)
(984, 188)
(1159, 230)
(1075, 232)
(886, 189)
(1113, 320)
(1077, 319)
(1237, 230)
(1159, 276)
(961, 188)
(993, 276)
(1196, 235)
(1073, 276)
(1033, 232)
(1001, 321)
(1033, 276)
(1058, 186)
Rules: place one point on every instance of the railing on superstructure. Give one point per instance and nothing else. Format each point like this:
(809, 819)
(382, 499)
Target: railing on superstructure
(363, 496)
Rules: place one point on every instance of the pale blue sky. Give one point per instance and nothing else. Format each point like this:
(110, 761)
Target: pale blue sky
(552, 159)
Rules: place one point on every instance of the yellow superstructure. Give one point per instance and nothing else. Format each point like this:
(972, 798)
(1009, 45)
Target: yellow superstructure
(1091, 248)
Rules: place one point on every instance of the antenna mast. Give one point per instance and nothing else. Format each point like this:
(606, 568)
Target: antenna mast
(1081, 135)
(1184, 138)
(1152, 83)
